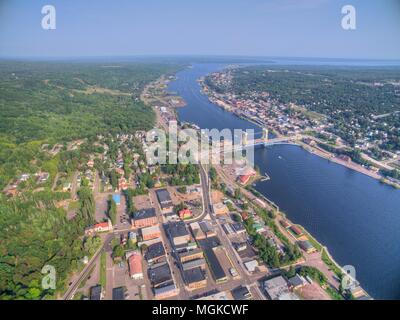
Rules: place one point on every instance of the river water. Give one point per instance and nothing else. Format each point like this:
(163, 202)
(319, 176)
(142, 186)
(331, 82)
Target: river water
(355, 216)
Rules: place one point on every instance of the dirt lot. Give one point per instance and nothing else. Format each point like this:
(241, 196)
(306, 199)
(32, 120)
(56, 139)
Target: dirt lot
(216, 196)
(178, 197)
(312, 292)
(142, 202)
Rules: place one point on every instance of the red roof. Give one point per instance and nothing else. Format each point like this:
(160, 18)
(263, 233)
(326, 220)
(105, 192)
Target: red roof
(101, 225)
(296, 230)
(244, 179)
(135, 264)
(185, 213)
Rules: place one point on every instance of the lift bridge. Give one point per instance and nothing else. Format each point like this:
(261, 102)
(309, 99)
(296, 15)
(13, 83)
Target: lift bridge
(264, 141)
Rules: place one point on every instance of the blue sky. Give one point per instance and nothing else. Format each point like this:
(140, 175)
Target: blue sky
(292, 28)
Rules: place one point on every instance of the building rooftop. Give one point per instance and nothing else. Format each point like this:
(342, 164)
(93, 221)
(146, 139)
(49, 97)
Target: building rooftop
(150, 230)
(154, 251)
(305, 245)
(165, 289)
(160, 274)
(163, 196)
(206, 226)
(238, 227)
(135, 264)
(251, 265)
(215, 267)
(177, 229)
(276, 287)
(145, 213)
(193, 275)
(193, 264)
(95, 292)
(297, 281)
(241, 293)
(118, 293)
(215, 296)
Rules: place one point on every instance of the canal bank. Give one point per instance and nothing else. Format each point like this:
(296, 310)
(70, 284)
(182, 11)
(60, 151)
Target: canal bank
(353, 215)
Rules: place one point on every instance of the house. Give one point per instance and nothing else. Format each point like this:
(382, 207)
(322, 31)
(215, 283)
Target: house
(220, 209)
(244, 215)
(24, 177)
(42, 177)
(12, 192)
(276, 287)
(150, 233)
(100, 227)
(241, 293)
(135, 266)
(185, 214)
(259, 227)
(240, 246)
(144, 218)
(90, 163)
(164, 199)
(239, 228)
(122, 183)
(155, 252)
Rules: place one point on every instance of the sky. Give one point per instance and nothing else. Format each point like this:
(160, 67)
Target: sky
(270, 28)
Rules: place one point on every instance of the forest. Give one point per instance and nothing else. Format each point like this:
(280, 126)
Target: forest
(43, 104)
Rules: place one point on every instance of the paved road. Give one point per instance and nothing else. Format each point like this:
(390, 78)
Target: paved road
(106, 246)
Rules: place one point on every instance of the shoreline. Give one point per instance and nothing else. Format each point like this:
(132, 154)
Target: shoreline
(269, 202)
(317, 151)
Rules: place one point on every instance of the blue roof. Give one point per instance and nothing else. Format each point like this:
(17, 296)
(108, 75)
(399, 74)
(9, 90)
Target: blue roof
(116, 198)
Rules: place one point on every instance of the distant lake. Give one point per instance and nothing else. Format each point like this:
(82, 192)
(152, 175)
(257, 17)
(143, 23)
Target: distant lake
(355, 216)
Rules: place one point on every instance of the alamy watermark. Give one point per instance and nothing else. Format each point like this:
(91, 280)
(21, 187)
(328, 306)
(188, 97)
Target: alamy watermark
(349, 278)
(200, 146)
(49, 278)
(49, 19)
(349, 20)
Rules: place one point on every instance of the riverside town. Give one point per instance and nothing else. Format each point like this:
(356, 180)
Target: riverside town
(199, 158)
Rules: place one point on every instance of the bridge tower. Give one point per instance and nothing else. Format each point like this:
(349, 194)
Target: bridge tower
(244, 138)
(265, 134)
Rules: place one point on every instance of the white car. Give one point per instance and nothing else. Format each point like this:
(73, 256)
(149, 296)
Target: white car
(233, 272)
